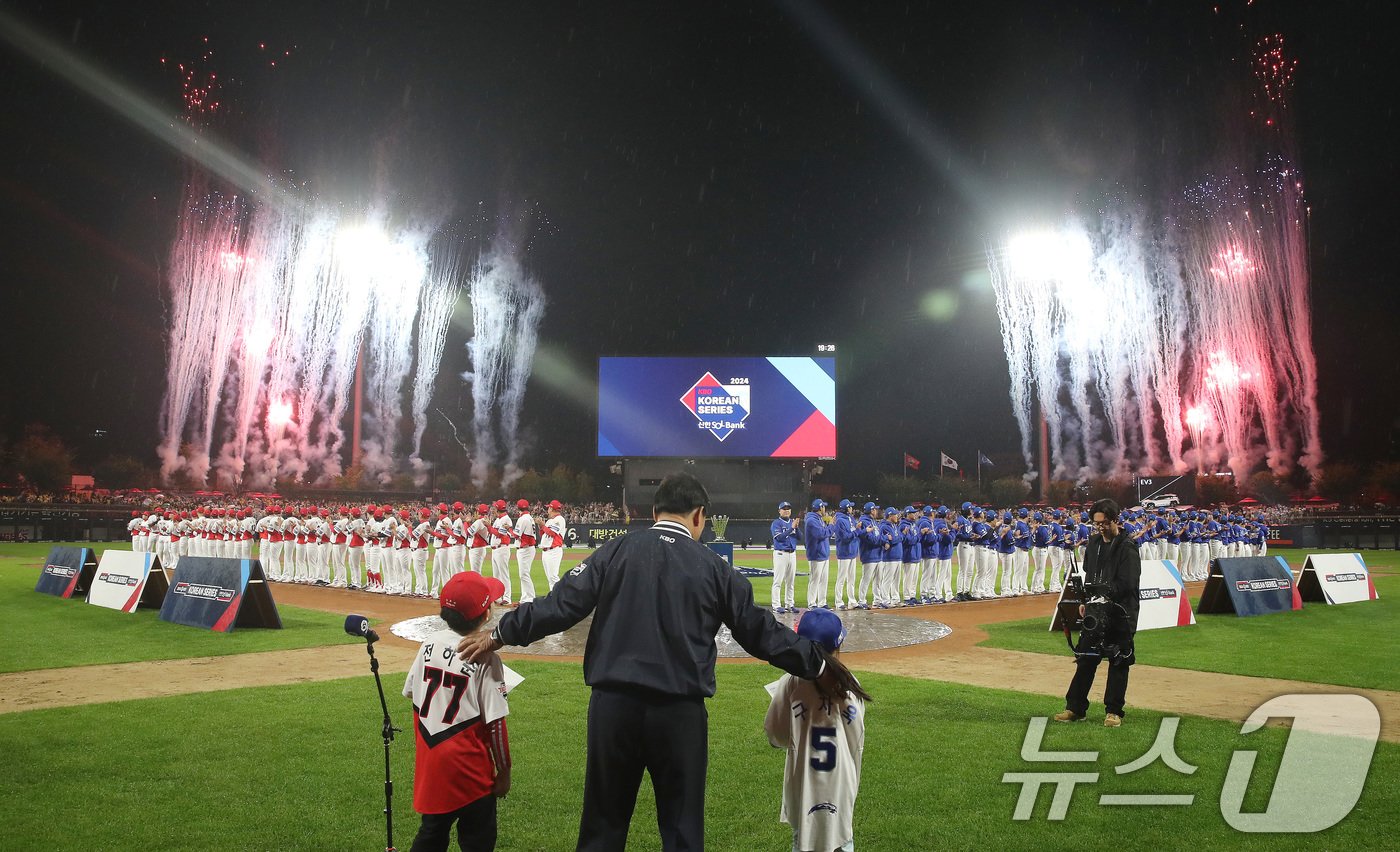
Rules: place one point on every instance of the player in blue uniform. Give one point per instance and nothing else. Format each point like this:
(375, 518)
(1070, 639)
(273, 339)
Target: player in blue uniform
(816, 540)
(847, 554)
(872, 554)
(887, 581)
(943, 575)
(913, 556)
(963, 547)
(928, 551)
(784, 559)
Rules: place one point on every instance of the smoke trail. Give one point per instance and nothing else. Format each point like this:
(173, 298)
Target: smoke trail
(434, 314)
(507, 306)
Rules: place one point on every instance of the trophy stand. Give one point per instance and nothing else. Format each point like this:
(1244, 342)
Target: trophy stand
(725, 549)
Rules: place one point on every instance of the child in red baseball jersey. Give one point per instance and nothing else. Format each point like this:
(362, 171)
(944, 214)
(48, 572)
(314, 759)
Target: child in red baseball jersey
(463, 754)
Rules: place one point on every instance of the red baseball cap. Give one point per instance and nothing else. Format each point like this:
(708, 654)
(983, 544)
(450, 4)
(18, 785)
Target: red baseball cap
(354, 511)
(500, 505)
(482, 509)
(468, 593)
(555, 504)
(522, 504)
(458, 507)
(403, 513)
(425, 513)
(442, 507)
(325, 513)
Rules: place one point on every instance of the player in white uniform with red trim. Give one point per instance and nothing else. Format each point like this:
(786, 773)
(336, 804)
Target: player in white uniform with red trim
(418, 553)
(478, 535)
(552, 536)
(502, 532)
(527, 536)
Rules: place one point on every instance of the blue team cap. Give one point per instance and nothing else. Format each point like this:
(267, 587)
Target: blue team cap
(821, 626)
(1023, 512)
(869, 507)
(942, 510)
(844, 504)
(818, 504)
(928, 510)
(784, 505)
(892, 510)
(977, 510)
(1037, 517)
(1084, 517)
(966, 506)
(908, 510)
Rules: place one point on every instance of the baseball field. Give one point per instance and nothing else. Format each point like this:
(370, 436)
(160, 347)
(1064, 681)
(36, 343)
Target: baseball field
(121, 731)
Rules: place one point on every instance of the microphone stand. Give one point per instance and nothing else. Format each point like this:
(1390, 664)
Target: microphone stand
(388, 734)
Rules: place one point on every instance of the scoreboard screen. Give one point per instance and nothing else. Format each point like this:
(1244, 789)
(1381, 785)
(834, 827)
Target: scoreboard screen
(723, 406)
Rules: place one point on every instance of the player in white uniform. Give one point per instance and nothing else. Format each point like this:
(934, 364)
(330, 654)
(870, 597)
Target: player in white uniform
(478, 536)
(354, 548)
(503, 532)
(270, 551)
(527, 536)
(418, 554)
(825, 742)
(552, 536)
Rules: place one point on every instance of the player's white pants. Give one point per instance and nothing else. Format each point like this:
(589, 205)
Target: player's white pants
(1057, 568)
(817, 582)
(1262, 548)
(551, 558)
(475, 557)
(784, 578)
(928, 578)
(372, 581)
(1020, 570)
(500, 568)
(889, 582)
(984, 582)
(868, 571)
(1040, 560)
(525, 565)
(1007, 569)
(967, 566)
(846, 581)
(403, 564)
(418, 557)
(909, 581)
(340, 569)
(270, 553)
(943, 580)
(354, 564)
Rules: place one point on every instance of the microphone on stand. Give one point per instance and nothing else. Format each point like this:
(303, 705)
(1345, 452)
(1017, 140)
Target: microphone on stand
(358, 625)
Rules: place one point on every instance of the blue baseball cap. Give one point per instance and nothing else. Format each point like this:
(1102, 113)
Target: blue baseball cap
(784, 505)
(818, 504)
(908, 510)
(977, 510)
(844, 504)
(891, 510)
(928, 509)
(1023, 512)
(868, 507)
(821, 626)
(942, 510)
(966, 506)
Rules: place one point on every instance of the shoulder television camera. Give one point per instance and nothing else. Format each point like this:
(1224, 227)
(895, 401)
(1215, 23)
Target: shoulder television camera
(1100, 611)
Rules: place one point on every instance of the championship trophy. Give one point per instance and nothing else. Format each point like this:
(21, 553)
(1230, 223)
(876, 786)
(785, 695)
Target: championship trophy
(720, 523)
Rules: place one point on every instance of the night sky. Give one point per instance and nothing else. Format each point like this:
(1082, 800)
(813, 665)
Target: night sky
(750, 178)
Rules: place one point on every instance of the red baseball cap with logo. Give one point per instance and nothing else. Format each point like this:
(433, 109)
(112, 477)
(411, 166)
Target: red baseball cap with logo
(500, 505)
(555, 504)
(458, 507)
(468, 593)
(522, 504)
(482, 509)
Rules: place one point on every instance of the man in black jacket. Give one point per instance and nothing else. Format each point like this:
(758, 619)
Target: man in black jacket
(658, 598)
(1112, 567)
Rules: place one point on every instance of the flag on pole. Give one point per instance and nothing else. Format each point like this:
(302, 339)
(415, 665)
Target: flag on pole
(911, 462)
(948, 461)
(983, 460)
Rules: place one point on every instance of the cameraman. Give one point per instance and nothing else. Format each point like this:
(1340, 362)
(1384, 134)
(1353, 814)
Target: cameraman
(1112, 570)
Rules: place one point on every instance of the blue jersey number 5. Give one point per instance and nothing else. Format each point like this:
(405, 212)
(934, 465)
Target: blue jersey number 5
(822, 743)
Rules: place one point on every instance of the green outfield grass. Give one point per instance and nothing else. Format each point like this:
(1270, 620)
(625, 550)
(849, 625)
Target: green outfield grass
(299, 767)
(1349, 645)
(42, 631)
